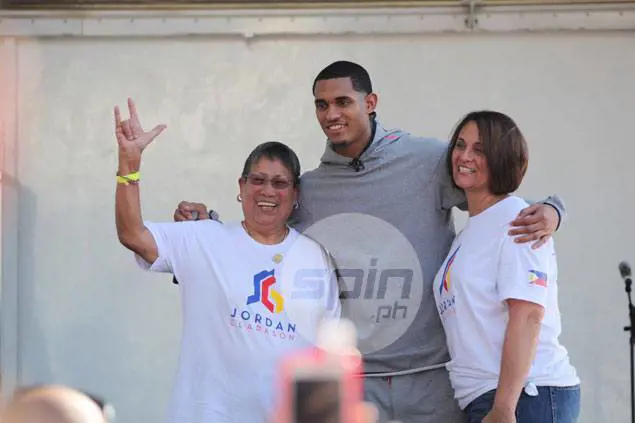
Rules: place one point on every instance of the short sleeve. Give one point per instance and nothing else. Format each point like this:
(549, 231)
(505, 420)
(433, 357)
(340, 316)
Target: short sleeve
(451, 196)
(525, 273)
(168, 236)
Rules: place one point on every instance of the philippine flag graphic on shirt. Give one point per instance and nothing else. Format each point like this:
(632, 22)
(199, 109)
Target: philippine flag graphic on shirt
(538, 278)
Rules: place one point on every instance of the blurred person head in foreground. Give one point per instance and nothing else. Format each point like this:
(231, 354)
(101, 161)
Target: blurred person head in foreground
(52, 404)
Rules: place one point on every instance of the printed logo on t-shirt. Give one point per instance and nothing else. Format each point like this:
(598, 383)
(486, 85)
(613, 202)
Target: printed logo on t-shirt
(264, 320)
(447, 301)
(538, 278)
(265, 294)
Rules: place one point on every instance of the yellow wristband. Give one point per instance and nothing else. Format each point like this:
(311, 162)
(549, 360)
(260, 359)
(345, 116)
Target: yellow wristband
(129, 178)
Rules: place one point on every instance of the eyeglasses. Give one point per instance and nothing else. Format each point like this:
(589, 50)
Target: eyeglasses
(276, 182)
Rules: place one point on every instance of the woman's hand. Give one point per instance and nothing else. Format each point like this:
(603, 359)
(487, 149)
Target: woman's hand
(497, 415)
(132, 139)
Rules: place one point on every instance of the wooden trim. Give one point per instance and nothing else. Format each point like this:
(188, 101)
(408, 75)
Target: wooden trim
(270, 4)
(503, 16)
(216, 4)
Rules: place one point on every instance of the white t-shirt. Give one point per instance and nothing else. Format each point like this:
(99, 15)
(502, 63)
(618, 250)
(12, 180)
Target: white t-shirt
(244, 306)
(484, 268)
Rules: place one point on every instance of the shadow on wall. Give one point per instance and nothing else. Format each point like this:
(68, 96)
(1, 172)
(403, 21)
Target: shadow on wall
(19, 230)
(43, 319)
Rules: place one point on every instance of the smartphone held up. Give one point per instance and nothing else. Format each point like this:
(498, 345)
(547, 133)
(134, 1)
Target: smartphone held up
(323, 384)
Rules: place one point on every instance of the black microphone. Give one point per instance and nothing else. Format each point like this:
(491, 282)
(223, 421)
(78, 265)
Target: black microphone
(625, 272)
(357, 164)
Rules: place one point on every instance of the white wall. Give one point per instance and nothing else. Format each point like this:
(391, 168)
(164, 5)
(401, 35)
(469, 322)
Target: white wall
(88, 317)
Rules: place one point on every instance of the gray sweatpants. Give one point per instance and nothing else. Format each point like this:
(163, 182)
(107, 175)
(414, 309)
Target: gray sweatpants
(425, 397)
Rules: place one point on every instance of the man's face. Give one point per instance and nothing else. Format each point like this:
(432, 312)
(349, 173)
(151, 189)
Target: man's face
(343, 112)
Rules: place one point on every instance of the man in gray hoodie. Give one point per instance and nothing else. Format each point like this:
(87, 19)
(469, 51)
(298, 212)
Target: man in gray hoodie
(381, 202)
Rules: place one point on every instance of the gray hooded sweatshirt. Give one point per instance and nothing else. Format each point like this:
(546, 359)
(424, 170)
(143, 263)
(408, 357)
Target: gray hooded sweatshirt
(386, 220)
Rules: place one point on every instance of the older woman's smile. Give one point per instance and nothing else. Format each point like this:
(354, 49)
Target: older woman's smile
(266, 205)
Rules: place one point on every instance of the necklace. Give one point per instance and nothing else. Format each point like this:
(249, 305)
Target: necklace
(277, 258)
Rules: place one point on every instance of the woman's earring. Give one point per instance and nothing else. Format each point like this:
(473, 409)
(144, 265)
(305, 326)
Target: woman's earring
(296, 205)
(239, 198)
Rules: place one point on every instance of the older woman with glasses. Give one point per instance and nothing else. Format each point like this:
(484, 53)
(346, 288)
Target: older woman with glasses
(252, 290)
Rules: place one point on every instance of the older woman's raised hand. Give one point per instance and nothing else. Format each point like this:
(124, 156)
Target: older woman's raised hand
(132, 138)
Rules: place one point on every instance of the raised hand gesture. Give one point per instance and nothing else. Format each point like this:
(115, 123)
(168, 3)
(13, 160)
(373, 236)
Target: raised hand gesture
(132, 139)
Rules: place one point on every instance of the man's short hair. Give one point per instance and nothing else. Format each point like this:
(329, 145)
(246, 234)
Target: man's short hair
(344, 69)
(504, 147)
